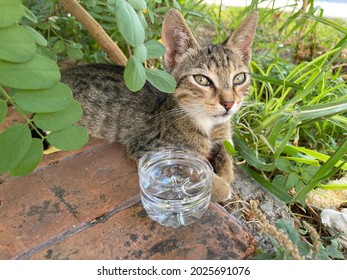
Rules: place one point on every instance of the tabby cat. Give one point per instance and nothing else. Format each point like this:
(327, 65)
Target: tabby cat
(212, 81)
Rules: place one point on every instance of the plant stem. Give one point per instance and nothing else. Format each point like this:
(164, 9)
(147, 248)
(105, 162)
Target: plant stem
(20, 111)
(95, 30)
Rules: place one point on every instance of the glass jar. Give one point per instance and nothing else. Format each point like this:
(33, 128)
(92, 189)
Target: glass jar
(175, 186)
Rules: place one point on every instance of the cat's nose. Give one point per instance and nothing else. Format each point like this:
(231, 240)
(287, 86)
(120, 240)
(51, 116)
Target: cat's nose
(227, 104)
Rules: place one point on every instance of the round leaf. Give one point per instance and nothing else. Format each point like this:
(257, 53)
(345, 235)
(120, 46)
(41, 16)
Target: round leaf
(37, 73)
(11, 12)
(134, 74)
(14, 143)
(59, 46)
(283, 164)
(53, 99)
(129, 24)
(74, 53)
(16, 44)
(141, 53)
(30, 160)
(292, 180)
(161, 80)
(154, 49)
(59, 120)
(3, 110)
(71, 138)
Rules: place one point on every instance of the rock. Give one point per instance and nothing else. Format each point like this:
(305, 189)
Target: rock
(246, 189)
(336, 223)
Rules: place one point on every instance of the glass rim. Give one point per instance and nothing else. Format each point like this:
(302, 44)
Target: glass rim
(182, 152)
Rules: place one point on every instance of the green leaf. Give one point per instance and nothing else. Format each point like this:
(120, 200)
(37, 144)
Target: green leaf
(283, 164)
(275, 190)
(322, 254)
(47, 53)
(74, 53)
(325, 171)
(59, 46)
(276, 81)
(71, 138)
(43, 26)
(11, 12)
(250, 156)
(304, 248)
(161, 80)
(30, 15)
(128, 23)
(37, 36)
(154, 49)
(59, 120)
(141, 53)
(303, 160)
(229, 148)
(53, 99)
(292, 180)
(16, 44)
(142, 19)
(333, 252)
(90, 3)
(279, 181)
(37, 73)
(3, 110)
(30, 160)
(322, 110)
(312, 153)
(138, 4)
(134, 74)
(14, 143)
(288, 229)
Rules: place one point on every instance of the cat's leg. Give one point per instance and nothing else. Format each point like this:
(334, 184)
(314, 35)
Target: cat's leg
(224, 173)
(222, 163)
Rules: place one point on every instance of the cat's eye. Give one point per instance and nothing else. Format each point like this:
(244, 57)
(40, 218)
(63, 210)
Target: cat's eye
(239, 79)
(202, 80)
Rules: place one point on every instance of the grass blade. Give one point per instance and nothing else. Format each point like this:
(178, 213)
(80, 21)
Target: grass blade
(276, 191)
(326, 171)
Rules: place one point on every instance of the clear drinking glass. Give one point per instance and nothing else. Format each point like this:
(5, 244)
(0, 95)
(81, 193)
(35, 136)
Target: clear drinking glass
(175, 186)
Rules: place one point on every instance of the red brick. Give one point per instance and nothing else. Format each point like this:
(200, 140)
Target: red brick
(29, 213)
(130, 234)
(41, 205)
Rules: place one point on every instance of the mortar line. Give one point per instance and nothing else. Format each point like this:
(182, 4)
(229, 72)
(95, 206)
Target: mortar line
(77, 229)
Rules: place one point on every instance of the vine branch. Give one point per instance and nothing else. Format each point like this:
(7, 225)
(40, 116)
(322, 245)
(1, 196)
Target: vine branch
(95, 30)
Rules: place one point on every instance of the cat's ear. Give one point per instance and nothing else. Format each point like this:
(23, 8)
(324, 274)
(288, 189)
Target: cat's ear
(177, 38)
(242, 38)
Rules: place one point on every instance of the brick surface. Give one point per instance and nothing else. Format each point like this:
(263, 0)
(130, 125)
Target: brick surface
(29, 213)
(38, 206)
(130, 234)
(85, 204)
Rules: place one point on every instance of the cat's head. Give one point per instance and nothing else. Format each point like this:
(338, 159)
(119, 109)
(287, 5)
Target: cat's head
(212, 80)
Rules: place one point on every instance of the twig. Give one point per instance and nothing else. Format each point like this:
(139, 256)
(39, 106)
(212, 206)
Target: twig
(314, 236)
(95, 30)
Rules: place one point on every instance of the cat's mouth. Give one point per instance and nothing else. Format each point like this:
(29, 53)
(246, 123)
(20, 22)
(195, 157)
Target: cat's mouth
(222, 116)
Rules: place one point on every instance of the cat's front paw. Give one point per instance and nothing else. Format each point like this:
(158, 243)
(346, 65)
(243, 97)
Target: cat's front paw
(221, 190)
